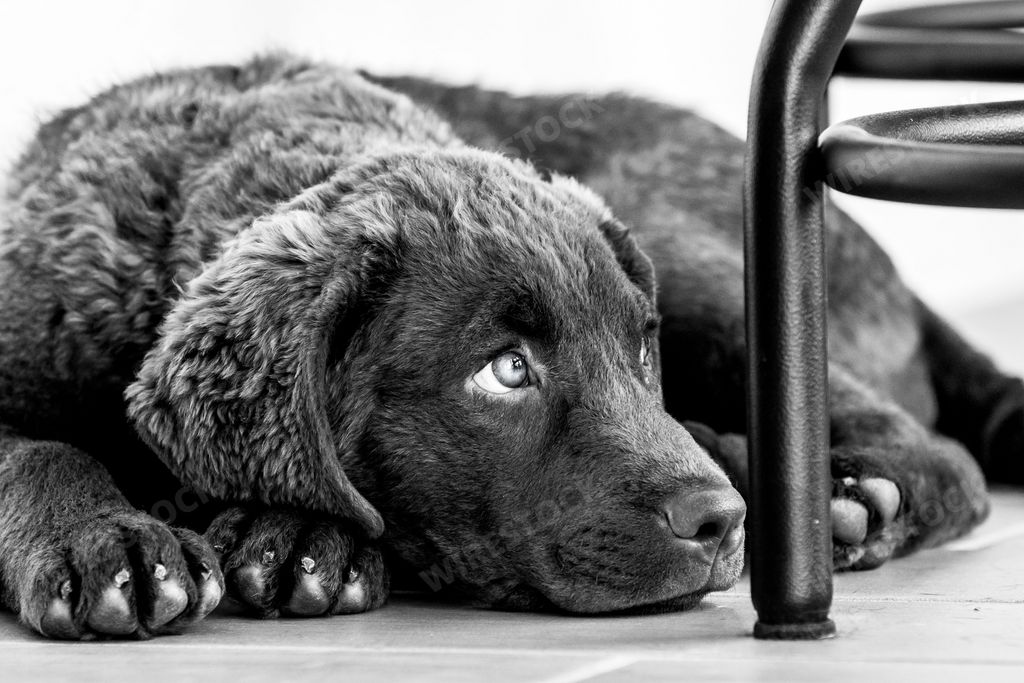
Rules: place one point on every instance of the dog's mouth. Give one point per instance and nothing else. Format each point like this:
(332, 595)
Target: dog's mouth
(680, 603)
(658, 589)
(527, 599)
(640, 573)
(722, 577)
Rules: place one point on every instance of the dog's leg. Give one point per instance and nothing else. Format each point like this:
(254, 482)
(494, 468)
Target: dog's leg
(978, 405)
(300, 564)
(77, 561)
(896, 486)
(906, 486)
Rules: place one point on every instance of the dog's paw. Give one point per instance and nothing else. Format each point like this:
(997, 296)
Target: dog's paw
(890, 501)
(123, 575)
(281, 562)
(865, 527)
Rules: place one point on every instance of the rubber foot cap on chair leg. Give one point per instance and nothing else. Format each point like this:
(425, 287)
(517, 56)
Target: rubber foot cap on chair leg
(817, 630)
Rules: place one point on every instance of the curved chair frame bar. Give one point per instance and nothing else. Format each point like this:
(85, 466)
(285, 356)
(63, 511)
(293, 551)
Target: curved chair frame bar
(936, 54)
(967, 15)
(791, 545)
(962, 41)
(968, 155)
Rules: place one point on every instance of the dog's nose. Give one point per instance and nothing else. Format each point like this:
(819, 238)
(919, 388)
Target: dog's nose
(709, 521)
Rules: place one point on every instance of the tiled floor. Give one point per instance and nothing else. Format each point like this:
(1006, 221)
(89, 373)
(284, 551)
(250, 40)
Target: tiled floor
(955, 613)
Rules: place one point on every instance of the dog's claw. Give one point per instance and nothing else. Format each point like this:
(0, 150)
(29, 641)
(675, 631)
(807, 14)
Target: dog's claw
(268, 557)
(308, 565)
(122, 577)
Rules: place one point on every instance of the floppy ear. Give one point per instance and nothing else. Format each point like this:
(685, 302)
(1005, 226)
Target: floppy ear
(232, 397)
(637, 265)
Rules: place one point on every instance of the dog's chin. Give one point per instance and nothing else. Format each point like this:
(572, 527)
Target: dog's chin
(680, 603)
(524, 598)
(528, 599)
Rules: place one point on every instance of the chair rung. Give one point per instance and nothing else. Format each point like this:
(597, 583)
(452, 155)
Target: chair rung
(933, 54)
(969, 15)
(964, 41)
(967, 155)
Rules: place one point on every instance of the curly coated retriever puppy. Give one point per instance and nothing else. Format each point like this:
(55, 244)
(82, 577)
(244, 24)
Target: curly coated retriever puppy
(284, 304)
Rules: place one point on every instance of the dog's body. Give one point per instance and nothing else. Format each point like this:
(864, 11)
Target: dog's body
(321, 300)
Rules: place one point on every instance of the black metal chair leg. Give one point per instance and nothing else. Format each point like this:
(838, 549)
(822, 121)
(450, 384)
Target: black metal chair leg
(791, 546)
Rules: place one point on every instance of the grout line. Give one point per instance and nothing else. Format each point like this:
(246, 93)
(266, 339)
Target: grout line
(588, 671)
(152, 645)
(583, 673)
(925, 600)
(987, 540)
(855, 598)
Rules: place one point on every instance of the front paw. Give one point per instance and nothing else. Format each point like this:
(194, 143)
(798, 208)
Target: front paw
(296, 564)
(121, 574)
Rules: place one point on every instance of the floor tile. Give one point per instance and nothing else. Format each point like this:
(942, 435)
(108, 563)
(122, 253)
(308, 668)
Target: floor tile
(806, 671)
(104, 663)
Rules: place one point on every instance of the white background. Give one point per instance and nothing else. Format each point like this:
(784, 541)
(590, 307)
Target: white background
(966, 263)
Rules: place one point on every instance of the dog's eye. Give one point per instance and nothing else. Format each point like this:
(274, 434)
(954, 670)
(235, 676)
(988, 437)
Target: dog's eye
(645, 350)
(503, 374)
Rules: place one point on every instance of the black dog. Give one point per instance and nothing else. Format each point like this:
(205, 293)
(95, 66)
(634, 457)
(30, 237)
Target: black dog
(396, 352)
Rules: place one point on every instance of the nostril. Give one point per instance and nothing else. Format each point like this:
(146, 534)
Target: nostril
(708, 530)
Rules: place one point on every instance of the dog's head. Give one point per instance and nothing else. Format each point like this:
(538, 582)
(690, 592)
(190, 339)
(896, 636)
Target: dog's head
(455, 344)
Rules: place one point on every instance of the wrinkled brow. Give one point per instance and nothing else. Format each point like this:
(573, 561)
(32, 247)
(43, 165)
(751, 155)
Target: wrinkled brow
(526, 314)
